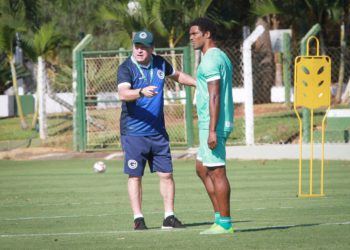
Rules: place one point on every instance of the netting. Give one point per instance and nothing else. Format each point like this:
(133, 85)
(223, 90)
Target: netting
(59, 108)
(101, 101)
(103, 106)
(274, 122)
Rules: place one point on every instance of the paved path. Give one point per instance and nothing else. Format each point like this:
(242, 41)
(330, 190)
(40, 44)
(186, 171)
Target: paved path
(331, 152)
(257, 152)
(278, 151)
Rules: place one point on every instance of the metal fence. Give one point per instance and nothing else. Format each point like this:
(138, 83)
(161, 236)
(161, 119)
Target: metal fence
(59, 108)
(101, 107)
(273, 122)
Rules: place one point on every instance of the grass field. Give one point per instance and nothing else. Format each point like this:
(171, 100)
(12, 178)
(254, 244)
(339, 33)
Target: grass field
(64, 205)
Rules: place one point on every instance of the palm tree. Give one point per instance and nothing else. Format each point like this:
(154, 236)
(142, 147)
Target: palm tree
(301, 15)
(44, 45)
(177, 16)
(132, 16)
(344, 31)
(11, 21)
(6, 76)
(168, 19)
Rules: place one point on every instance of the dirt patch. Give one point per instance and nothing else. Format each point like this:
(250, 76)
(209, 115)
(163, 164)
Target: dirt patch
(41, 153)
(31, 153)
(50, 153)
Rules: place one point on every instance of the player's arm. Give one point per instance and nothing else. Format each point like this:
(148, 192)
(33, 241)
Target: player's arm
(128, 94)
(183, 78)
(214, 109)
(179, 76)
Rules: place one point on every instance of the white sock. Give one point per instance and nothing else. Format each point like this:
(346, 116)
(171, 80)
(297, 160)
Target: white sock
(138, 216)
(167, 214)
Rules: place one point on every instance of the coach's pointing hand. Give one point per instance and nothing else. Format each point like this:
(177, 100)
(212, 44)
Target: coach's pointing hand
(149, 91)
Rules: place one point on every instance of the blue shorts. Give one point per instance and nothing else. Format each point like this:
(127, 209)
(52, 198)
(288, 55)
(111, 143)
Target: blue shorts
(138, 150)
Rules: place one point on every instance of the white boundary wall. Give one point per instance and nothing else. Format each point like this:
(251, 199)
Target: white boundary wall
(7, 105)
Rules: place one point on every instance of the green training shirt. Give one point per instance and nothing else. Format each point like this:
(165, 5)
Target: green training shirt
(215, 65)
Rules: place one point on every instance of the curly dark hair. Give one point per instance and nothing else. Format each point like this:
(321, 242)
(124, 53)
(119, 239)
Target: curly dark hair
(205, 24)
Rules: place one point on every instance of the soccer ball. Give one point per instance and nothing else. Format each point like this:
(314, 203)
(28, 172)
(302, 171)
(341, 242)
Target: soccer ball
(100, 167)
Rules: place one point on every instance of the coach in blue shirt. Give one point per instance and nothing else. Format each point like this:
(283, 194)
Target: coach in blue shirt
(144, 138)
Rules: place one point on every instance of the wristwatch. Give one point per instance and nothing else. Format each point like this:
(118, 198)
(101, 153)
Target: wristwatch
(140, 92)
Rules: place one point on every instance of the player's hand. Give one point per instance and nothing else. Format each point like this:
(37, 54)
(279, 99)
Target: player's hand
(149, 91)
(212, 140)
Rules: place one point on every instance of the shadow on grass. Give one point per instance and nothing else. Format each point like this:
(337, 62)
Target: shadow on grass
(198, 224)
(256, 229)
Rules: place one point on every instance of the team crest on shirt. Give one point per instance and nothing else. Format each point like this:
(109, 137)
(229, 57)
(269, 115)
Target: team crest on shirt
(160, 74)
(132, 164)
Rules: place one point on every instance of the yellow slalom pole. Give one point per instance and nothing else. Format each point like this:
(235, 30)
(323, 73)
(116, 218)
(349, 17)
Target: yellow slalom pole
(300, 151)
(322, 162)
(312, 149)
(312, 79)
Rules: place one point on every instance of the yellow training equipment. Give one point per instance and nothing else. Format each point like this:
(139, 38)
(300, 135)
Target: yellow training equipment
(312, 80)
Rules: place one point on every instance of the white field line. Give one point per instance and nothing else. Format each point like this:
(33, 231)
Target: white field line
(57, 204)
(114, 202)
(113, 155)
(47, 155)
(127, 213)
(162, 230)
(55, 217)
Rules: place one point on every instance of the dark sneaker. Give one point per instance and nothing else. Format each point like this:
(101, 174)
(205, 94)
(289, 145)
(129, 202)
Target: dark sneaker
(140, 224)
(172, 222)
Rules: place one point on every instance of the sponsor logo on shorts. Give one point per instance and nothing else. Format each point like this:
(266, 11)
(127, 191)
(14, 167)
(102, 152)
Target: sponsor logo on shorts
(132, 164)
(160, 74)
(228, 124)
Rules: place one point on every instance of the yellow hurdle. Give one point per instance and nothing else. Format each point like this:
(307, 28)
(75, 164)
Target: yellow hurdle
(312, 80)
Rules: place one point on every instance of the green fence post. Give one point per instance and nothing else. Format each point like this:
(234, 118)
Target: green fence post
(189, 114)
(306, 112)
(192, 59)
(287, 61)
(79, 118)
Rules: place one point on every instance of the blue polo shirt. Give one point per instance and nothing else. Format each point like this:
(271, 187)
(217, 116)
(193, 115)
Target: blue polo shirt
(143, 116)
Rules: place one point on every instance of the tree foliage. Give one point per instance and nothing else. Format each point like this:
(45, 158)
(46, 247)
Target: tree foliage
(44, 23)
(301, 15)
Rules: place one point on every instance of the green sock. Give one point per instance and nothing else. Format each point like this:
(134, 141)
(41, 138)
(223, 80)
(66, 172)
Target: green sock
(217, 218)
(225, 222)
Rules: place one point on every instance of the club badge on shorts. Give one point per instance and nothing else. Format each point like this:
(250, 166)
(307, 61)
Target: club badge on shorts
(132, 164)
